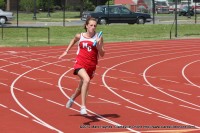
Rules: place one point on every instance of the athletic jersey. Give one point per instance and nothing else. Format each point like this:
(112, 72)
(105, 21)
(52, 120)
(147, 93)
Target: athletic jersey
(87, 54)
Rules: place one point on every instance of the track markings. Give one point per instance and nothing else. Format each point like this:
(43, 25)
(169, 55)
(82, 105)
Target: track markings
(34, 95)
(45, 82)
(18, 89)
(3, 106)
(189, 107)
(45, 124)
(129, 81)
(55, 102)
(179, 92)
(138, 110)
(160, 100)
(109, 101)
(3, 84)
(169, 80)
(133, 93)
(19, 113)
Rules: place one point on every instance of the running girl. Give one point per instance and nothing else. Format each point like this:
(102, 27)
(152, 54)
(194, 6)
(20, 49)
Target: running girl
(86, 60)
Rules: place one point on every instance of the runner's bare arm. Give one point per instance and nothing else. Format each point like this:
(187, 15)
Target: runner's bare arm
(71, 44)
(100, 47)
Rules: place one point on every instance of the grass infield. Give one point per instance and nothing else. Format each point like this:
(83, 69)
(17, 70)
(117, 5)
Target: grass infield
(111, 33)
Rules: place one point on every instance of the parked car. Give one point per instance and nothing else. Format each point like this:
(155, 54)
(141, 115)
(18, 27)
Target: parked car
(184, 11)
(6, 16)
(161, 7)
(116, 14)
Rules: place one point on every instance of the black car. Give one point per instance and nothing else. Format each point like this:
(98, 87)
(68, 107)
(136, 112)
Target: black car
(116, 14)
(184, 11)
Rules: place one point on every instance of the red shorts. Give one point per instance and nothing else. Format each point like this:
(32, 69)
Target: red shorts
(89, 69)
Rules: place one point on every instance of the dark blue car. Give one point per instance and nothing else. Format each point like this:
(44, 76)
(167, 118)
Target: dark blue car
(116, 14)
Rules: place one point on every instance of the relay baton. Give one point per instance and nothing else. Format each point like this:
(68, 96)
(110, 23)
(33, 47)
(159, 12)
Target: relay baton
(99, 35)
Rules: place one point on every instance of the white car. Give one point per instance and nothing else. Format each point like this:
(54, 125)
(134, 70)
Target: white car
(6, 16)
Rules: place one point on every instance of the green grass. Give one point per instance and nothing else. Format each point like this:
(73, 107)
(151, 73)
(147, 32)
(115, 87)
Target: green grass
(111, 33)
(56, 16)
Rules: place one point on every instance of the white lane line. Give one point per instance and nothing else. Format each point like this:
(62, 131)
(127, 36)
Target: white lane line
(156, 49)
(12, 52)
(59, 65)
(169, 80)
(29, 78)
(109, 101)
(189, 107)
(14, 73)
(45, 82)
(146, 85)
(93, 83)
(69, 77)
(179, 92)
(183, 73)
(133, 93)
(19, 113)
(138, 110)
(3, 106)
(112, 88)
(30, 93)
(111, 77)
(18, 89)
(178, 121)
(40, 70)
(43, 61)
(169, 59)
(126, 72)
(129, 81)
(189, 84)
(55, 102)
(24, 62)
(66, 88)
(144, 76)
(52, 73)
(91, 96)
(38, 122)
(27, 111)
(3, 84)
(4, 70)
(25, 66)
(99, 116)
(160, 100)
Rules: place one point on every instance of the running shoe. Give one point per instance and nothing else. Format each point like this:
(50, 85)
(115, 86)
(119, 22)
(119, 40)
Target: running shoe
(69, 103)
(83, 110)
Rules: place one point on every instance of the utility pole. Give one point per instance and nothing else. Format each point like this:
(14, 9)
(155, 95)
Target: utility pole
(64, 6)
(153, 10)
(189, 10)
(176, 2)
(108, 10)
(34, 15)
(17, 12)
(48, 15)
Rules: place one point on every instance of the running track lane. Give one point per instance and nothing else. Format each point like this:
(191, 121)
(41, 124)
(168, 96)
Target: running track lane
(138, 87)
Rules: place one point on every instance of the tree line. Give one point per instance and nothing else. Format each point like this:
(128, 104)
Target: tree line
(45, 5)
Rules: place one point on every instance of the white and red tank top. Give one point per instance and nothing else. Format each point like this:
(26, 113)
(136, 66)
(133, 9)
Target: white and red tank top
(87, 54)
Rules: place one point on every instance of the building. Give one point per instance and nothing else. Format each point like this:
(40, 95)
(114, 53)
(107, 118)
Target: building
(128, 3)
(136, 5)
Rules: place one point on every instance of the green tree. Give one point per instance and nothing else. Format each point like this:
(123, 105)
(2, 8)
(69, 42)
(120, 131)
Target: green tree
(44, 4)
(2, 4)
(27, 5)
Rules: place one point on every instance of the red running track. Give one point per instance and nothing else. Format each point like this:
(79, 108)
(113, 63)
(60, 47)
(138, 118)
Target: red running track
(143, 86)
